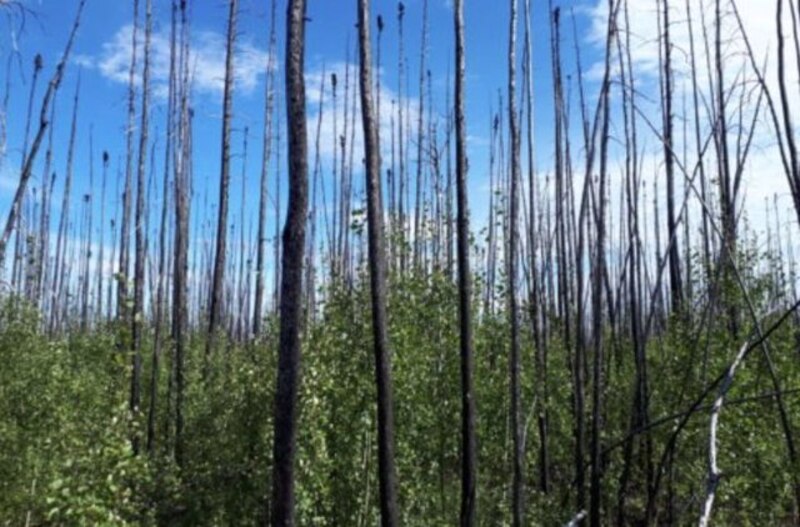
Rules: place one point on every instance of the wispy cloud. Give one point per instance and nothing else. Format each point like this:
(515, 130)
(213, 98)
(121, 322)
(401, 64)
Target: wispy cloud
(389, 109)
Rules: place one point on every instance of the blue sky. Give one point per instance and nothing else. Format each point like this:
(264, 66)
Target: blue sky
(102, 51)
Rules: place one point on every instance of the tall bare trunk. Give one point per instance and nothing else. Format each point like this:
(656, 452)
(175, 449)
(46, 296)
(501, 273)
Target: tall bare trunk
(517, 488)
(469, 456)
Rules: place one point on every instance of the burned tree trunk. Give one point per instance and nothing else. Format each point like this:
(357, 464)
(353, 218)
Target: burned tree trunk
(676, 282)
(377, 266)
(469, 455)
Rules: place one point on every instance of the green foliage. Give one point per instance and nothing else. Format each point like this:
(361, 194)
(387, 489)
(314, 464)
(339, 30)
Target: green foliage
(65, 425)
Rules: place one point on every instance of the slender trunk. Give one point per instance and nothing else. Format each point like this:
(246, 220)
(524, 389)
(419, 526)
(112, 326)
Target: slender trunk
(125, 229)
(676, 282)
(598, 275)
(518, 483)
(138, 276)
(215, 307)
(263, 196)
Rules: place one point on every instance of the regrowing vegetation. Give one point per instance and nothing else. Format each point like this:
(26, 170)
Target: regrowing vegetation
(610, 337)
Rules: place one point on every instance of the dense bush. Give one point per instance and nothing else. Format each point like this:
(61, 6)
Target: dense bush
(65, 427)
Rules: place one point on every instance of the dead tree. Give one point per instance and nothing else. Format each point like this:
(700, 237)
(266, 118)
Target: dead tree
(59, 269)
(419, 206)
(125, 229)
(180, 298)
(137, 319)
(101, 252)
(676, 282)
(263, 195)
(215, 306)
(377, 266)
(158, 314)
(469, 455)
(598, 268)
(30, 157)
(518, 483)
(291, 295)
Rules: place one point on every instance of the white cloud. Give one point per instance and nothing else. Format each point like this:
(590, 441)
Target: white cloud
(763, 174)
(207, 60)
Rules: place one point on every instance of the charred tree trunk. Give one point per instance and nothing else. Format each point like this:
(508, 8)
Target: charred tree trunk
(291, 296)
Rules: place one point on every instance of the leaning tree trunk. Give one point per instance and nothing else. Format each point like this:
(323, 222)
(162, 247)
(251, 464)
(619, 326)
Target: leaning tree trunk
(291, 295)
(27, 166)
